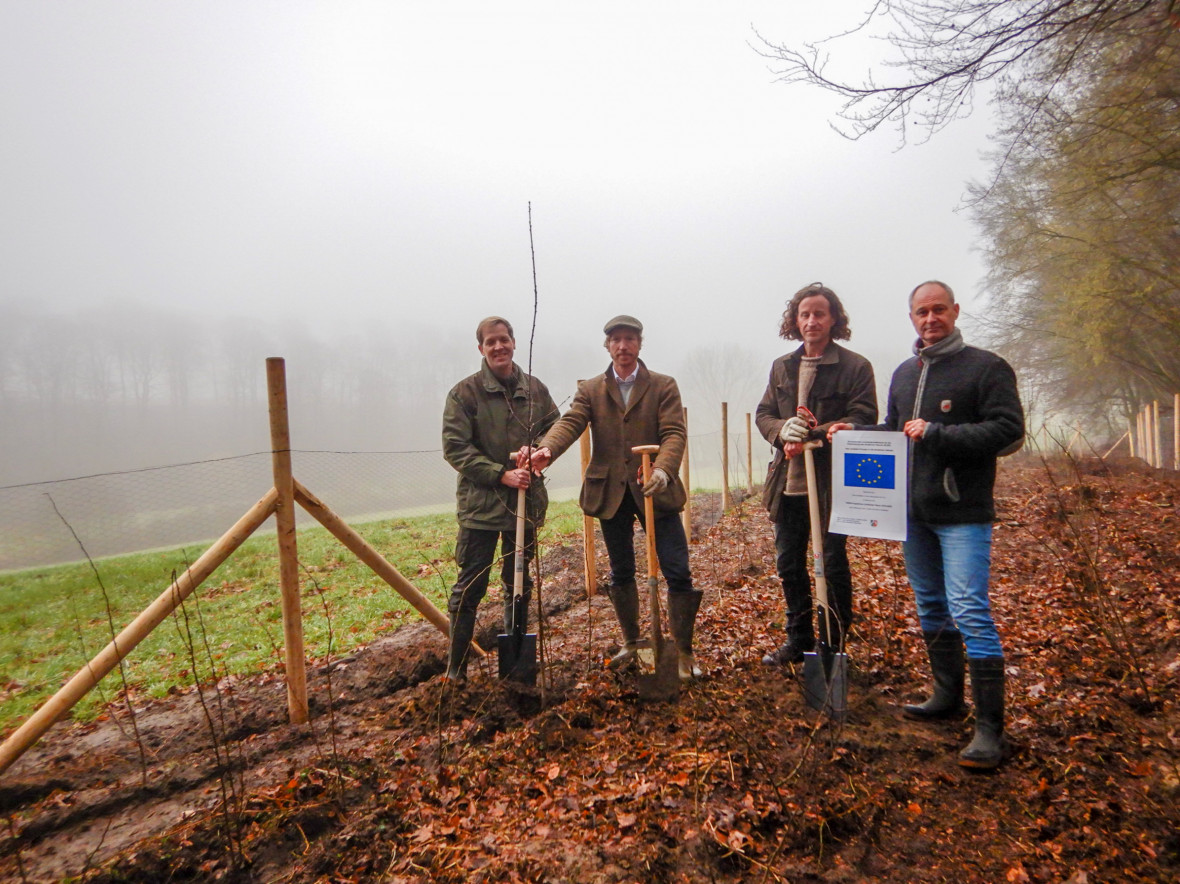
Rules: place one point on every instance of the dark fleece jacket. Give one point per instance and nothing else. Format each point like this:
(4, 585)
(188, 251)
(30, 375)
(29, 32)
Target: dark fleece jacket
(968, 398)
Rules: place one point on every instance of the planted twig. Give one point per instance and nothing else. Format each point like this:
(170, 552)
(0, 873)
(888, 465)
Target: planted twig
(897, 594)
(1078, 556)
(106, 600)
(331, 703)
(229, 794)
(16, 840)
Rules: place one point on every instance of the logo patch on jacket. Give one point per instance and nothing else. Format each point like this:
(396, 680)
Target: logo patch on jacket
(945, 405)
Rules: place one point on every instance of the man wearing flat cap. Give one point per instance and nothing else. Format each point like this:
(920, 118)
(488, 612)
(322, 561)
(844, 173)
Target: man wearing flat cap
(626, 406)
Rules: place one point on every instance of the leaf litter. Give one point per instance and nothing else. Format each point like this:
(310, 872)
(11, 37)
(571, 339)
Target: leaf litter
(405, 778)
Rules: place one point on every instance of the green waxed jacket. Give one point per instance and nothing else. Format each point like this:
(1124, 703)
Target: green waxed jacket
(485, 422)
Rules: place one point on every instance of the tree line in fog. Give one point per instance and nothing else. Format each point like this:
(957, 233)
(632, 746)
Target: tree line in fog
(127, 385)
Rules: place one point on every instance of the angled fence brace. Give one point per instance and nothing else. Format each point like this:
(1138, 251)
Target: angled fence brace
(153, 615)
(1127, 436)
(279, 501)
(380, 566)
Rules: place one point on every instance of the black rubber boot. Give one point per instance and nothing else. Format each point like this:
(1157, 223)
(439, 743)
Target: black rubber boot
(682, 617)
(989, 746)
(625, 598)
(945, 649)
(800, 640)
(462, 629)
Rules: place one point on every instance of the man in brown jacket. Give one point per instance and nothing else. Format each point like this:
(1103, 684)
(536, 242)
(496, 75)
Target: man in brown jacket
(626, 406)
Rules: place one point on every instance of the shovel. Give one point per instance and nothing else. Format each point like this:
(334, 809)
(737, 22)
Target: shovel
(825, 670)
(517, 650)
(659, 679)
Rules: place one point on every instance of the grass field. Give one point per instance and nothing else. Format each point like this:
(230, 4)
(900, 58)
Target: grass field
(53, 620)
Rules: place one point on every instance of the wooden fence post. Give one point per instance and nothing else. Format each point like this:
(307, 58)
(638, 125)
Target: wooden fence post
(686, 480)
(1157, 438)
(749, 456)
(280, 443)
(1144, 442)
(589, 566)
(724, 456)
(1149, 435)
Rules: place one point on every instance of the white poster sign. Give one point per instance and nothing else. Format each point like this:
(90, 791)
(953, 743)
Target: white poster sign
(869, 482)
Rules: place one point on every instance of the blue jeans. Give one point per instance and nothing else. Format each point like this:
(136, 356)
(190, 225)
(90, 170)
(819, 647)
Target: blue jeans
(618, 533)
(948, 566)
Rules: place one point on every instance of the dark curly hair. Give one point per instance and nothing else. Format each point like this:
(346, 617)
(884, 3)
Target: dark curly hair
(789, 329)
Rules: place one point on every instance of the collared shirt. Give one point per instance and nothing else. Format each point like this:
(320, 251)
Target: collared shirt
(626, 385)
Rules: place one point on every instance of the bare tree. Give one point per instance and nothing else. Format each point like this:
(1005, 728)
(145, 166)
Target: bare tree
(948, 48)
(727, 373)
(1083, 232)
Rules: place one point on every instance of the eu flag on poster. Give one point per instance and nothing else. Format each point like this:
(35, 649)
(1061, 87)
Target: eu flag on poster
(869, 470)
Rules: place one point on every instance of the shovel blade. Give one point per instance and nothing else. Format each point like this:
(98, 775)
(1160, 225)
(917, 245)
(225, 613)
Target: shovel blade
(825, 682)
(664, 684)
(518, 657)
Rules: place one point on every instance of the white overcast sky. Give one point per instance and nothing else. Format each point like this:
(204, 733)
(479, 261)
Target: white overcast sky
(349, 164)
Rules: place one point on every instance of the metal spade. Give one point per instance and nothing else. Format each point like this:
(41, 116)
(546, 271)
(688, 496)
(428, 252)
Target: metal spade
(517, 650)
(825, 670)
(659, 679)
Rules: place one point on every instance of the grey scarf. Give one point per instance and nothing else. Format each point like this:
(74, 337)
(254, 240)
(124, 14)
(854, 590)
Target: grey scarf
(952, 343)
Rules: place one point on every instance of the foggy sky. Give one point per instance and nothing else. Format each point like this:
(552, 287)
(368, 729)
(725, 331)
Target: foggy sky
(365, 168)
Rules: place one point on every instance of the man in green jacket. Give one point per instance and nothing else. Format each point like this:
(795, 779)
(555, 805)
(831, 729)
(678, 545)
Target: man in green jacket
(488, 417)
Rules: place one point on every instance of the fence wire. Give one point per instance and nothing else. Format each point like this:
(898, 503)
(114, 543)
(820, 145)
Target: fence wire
(193, 503)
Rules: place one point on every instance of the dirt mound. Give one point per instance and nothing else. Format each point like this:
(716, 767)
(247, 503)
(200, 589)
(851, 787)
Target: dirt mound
(401, 777)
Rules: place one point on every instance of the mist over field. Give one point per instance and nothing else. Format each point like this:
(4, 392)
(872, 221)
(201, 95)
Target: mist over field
(189, 190)
(127, 387)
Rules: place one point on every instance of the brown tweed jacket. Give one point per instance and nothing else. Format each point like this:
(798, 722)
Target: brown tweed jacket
(655, 416)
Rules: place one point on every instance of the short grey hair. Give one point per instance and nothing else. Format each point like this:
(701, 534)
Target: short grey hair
(938, 282)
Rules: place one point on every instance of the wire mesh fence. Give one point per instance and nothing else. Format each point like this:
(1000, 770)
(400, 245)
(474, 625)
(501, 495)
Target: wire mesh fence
(48, 523)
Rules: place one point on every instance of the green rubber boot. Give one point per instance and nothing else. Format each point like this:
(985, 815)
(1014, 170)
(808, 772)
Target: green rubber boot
(988, 748)
(945, 649)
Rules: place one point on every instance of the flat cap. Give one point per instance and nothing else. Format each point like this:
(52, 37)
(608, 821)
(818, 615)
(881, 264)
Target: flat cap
(623, 321)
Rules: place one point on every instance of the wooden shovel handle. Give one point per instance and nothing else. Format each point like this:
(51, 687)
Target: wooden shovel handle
(518, 559)
(649, 509)
(817, 534)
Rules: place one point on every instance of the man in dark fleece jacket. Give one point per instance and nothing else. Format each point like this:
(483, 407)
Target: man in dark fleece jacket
(960, 409)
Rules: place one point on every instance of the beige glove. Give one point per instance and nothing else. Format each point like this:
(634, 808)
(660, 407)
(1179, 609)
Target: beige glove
(794, 430)
(657, 483)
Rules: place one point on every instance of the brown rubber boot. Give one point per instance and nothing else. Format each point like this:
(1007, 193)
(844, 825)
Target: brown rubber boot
(625, 598)
(682, 616)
